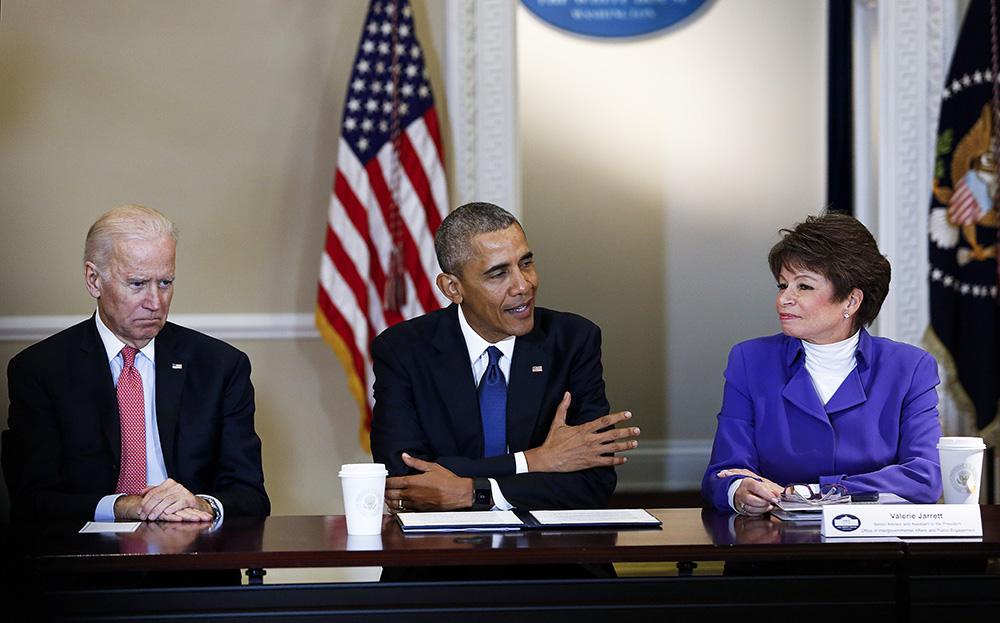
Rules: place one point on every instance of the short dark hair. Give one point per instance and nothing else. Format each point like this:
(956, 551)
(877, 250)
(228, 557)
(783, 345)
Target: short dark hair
(453, 240)
(841, 249)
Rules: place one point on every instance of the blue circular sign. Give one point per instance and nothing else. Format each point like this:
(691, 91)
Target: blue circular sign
(613, 18)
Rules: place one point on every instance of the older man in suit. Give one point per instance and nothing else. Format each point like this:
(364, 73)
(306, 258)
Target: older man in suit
(127, 416)
(492, 402)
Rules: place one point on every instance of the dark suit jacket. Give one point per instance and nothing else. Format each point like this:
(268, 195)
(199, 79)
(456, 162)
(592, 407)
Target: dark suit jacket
(63, 450)
(426, 403)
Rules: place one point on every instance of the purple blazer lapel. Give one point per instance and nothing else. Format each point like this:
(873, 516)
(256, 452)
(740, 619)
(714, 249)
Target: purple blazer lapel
(800, 390)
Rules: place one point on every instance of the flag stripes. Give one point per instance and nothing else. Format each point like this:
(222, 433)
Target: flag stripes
(389, 193)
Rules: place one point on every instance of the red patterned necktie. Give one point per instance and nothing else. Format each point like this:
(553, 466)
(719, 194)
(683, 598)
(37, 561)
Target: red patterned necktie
(132, 477)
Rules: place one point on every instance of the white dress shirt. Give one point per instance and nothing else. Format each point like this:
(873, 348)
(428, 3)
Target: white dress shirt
(145, 363)
(480, 360)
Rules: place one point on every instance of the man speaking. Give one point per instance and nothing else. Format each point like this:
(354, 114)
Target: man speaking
(492, 402)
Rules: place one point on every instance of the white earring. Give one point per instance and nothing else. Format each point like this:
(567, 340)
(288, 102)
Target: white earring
(847, 314)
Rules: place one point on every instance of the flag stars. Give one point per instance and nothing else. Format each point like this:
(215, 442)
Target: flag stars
(383, 48)
(350, 124)
(412, 71)
(358, 85)
(362, 144)
(386, 28)
(363, 66)
(353, 104)
(367, 125)
(371, 105)
(368, 46)
(977, 77)
(424, 91)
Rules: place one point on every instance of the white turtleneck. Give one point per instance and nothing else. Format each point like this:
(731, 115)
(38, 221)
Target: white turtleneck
(829, 364)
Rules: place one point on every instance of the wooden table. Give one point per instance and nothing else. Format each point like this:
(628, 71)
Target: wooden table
(887, 579)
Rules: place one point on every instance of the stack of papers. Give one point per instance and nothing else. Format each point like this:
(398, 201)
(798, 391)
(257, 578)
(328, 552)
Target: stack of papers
(499, 521)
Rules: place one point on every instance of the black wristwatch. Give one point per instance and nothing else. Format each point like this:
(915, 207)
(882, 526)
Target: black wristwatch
(482, 494)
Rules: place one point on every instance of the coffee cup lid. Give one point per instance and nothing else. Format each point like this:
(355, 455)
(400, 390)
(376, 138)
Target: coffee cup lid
(363, 469)
(961, 443)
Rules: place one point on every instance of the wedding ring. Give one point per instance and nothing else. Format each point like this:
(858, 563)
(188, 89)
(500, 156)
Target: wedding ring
(743, 508)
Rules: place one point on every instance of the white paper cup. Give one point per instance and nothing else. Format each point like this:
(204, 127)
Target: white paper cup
(364, 492)
(961, 468)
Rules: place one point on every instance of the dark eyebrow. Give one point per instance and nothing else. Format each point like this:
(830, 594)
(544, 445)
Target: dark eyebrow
(496, 267)
(504, 265)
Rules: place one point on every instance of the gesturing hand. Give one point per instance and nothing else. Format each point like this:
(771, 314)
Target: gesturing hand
(436, 489)
(574, 448)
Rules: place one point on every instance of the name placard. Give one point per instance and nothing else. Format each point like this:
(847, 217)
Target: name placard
(875, 520)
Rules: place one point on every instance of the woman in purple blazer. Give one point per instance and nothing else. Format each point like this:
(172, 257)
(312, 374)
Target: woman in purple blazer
(825, 402)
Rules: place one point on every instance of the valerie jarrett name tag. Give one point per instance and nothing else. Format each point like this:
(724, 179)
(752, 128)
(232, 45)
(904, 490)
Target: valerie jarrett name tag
(877, 520)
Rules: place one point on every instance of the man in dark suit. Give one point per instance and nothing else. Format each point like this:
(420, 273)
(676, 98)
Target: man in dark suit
(428, 427)
(69, 449)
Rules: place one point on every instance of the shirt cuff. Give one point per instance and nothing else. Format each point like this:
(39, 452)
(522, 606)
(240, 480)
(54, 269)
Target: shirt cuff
(500, 503)
(520, 463)
(105, 510)
(733, 486)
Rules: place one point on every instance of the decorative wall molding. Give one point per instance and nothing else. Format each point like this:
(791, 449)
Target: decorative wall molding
(222, 326)
(481, 75)
(906, 30)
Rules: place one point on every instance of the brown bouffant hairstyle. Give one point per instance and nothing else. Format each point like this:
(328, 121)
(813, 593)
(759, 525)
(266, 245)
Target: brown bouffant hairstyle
(841, 249)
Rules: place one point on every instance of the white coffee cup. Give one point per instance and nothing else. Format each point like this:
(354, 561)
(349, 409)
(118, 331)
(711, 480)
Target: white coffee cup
(364, 492)
(961, 468)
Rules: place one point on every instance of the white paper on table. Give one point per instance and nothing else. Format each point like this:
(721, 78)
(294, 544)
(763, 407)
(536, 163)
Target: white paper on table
(110, 527)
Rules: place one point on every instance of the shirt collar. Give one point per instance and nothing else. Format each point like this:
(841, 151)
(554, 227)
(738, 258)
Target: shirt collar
(476, 344)
(863, 351)
(113, 345)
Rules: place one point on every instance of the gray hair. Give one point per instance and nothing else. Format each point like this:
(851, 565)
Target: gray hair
(453, 240)
(129, 222)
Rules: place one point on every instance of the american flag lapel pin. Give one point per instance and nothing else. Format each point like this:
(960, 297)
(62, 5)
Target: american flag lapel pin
(536, 368)
(177, 366)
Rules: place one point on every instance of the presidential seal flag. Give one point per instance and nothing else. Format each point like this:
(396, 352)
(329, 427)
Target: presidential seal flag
(389, 196)
(964, 334)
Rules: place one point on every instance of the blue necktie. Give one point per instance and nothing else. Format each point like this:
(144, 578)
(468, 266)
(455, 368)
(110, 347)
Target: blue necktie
(493, 406)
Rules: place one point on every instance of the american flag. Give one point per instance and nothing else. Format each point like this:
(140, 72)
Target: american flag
(389, 196)
(965, 207)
